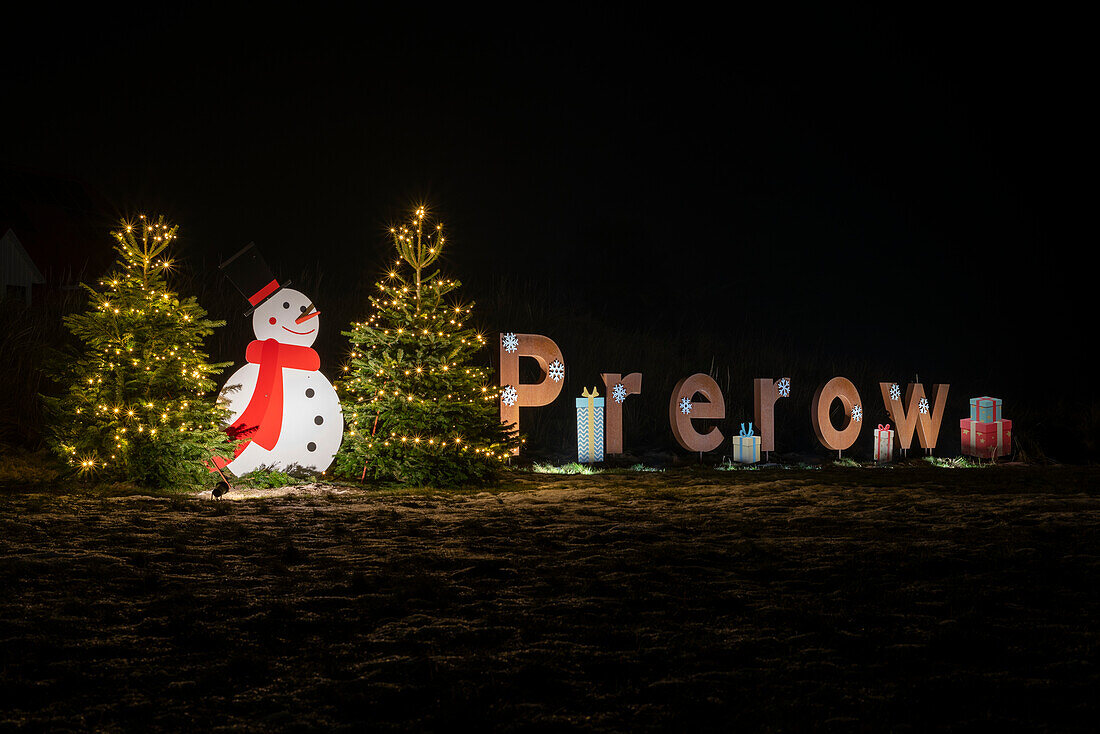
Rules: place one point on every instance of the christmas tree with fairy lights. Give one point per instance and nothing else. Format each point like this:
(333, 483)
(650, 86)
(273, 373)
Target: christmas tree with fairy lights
(138, 401)
(416, 410)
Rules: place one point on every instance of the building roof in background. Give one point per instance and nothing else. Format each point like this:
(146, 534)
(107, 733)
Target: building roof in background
(60, 222)
(16, 266)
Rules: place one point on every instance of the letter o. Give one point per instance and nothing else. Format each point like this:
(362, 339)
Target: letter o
(842, 389)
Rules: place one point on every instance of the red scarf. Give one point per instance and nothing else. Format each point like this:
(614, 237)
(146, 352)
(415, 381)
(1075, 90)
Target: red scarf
(262, 420)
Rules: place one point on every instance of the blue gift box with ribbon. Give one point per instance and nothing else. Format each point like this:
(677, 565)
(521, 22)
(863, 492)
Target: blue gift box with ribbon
(985, 409)
(746, 447)
(589, 427)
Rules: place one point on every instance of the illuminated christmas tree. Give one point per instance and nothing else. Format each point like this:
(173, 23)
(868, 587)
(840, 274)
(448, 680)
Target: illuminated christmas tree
(416, 410)
(138, 399)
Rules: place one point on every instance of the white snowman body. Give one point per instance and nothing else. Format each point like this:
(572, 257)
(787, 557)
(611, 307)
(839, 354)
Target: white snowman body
(312, 421)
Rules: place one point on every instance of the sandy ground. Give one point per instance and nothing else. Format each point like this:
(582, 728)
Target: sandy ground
(837, 599)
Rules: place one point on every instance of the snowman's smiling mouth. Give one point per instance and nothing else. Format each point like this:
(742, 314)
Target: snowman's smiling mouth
(299, 333)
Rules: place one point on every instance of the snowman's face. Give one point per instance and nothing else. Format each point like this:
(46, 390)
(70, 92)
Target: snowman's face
(278, 318)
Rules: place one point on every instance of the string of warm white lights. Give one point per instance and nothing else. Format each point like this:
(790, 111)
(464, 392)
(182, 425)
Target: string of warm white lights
(141, 375)
(408, 389)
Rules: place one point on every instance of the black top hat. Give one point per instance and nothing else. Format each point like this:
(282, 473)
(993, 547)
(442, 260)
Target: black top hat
(249, 273)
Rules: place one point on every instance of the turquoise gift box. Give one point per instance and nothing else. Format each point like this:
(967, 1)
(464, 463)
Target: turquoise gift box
(589, 427)
(746, 447)
(985, 409)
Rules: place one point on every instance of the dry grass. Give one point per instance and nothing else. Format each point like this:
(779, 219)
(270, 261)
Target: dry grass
(904, 599)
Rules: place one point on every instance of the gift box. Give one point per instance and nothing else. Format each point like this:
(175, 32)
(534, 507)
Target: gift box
(986, 439)
(985, 409)
(884, 444)
(746, 447)
(589, 427)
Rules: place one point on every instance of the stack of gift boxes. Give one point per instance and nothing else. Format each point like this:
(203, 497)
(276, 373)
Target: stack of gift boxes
(985, 434)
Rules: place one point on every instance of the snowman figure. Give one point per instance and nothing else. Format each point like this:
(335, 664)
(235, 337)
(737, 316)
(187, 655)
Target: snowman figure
(284, 412)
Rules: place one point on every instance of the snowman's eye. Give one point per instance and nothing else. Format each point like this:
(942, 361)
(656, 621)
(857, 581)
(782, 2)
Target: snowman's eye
(286, 304)
(302, 309)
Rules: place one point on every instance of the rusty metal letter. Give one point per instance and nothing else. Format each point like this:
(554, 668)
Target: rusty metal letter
(613, 407)
(842, 389)
(682, 410)
(531, 395)
(765, 392)
(925, 418)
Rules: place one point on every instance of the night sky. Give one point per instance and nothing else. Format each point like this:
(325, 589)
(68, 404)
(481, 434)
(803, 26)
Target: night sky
(905, 183)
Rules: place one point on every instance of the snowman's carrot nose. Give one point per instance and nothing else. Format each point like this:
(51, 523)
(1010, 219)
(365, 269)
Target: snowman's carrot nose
(309, 313)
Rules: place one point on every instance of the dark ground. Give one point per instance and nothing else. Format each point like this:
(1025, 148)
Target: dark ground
(905, 599)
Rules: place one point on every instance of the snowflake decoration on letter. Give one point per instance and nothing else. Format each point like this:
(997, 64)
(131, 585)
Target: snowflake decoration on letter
(784, 387)
(556, 370)
(685, 406)
(510, 342)
(922, 406)
(508, 395)
(895, 391)
(619, 392)
(857, 413)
